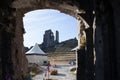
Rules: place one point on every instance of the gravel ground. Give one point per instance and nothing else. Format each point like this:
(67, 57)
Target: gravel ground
(63, 74)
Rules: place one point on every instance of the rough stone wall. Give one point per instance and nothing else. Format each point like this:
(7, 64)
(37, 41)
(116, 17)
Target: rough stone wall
(18, 48)
(116, 19)
(107, 41)
(11, 46)
(87, 50)
(67, 6)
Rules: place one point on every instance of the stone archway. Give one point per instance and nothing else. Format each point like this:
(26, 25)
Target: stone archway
(107, 40)
(14, 30)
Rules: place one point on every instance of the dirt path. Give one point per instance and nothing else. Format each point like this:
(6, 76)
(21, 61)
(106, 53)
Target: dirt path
(63, 74)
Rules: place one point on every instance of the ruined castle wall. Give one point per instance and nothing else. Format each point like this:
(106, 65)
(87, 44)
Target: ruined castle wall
(107, 40)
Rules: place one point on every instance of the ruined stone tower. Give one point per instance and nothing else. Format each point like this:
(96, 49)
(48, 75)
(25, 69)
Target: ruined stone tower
(48, 39)
(57, 37)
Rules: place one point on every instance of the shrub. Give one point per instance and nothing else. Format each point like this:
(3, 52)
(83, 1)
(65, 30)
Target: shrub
(53, 72)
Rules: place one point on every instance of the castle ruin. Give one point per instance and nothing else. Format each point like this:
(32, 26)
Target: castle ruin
(48, 39)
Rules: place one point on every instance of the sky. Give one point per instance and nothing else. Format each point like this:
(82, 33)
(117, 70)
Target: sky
(38, 21)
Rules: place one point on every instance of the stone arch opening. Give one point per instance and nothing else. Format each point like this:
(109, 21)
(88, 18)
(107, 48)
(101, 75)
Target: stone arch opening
(106, 36)
(15, 27)
(75, 12)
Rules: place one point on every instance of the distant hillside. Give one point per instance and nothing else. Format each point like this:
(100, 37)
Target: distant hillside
(64, 46)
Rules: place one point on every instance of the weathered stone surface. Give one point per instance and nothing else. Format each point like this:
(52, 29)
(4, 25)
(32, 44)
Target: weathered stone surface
(13, 60)
(66, 6)
(107, 40)
(81, 54)
(116, 30)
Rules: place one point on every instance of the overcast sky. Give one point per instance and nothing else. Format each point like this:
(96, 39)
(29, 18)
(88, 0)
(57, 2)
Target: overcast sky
(36, 22)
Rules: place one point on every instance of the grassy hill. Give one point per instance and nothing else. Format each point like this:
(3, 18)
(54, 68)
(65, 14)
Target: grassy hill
(61, 59)
(61, 53)
(63, 47)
